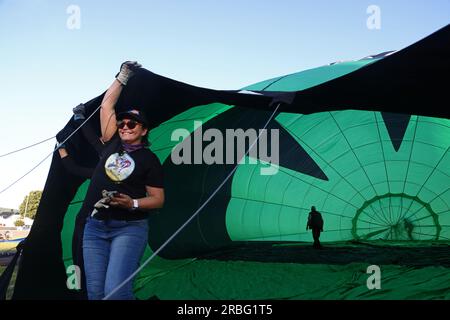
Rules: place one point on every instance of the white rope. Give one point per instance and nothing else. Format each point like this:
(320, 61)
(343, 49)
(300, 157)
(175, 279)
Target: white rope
(192, 217)
(58, 145)
(24, 148)
(51, 153)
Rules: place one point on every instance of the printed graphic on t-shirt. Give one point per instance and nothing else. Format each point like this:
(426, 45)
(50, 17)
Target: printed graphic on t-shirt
(118, 167)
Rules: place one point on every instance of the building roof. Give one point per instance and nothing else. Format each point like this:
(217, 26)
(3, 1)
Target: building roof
(6, 213)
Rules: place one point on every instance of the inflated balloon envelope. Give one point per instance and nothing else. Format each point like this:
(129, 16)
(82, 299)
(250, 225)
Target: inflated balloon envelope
(365, 141)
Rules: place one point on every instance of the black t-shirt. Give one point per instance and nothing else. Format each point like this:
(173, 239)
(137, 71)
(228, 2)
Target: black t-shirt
(127, 173)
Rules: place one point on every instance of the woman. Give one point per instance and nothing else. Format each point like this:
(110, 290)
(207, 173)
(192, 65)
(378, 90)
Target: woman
(125, 185)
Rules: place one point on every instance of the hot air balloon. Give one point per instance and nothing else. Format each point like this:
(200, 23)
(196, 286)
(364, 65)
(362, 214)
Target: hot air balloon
(366, 142)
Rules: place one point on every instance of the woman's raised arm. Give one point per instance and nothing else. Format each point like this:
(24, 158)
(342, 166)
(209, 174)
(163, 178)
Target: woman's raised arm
(107, 111)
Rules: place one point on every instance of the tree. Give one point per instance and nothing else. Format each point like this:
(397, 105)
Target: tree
(19, 223)
(30, 204)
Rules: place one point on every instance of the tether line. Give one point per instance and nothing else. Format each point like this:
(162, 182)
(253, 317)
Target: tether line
(24, 148)
(57, 147)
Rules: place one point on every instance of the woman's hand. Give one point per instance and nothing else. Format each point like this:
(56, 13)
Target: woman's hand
(122, 201)
(127, 71)
(153, 200)
(62, 152)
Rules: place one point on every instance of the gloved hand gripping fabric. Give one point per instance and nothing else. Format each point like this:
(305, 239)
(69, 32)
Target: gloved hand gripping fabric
(103, 202)
(78, 112)
(127, 71)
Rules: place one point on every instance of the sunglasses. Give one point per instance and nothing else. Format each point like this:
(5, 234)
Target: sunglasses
(130, 124)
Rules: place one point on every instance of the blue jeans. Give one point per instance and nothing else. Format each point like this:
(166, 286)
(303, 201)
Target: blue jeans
(112, 250)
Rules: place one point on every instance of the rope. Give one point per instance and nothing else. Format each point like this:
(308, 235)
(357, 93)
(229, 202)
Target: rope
(57, 147)
(192, 217)
(24, 148)
(51, 153)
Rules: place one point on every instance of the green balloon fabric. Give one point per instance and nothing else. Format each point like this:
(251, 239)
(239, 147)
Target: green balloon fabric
(374, 190)
(387, 179)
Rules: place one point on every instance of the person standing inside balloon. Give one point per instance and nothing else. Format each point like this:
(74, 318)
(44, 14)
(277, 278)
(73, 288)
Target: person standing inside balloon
(315, 223)
(126, 186)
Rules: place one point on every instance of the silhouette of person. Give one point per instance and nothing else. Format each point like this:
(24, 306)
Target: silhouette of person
(315, 223)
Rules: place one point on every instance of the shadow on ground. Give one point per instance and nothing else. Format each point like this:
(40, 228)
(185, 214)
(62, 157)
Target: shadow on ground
(382, 253)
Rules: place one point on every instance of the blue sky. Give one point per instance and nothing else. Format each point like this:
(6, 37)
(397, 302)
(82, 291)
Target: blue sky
(48, 68)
